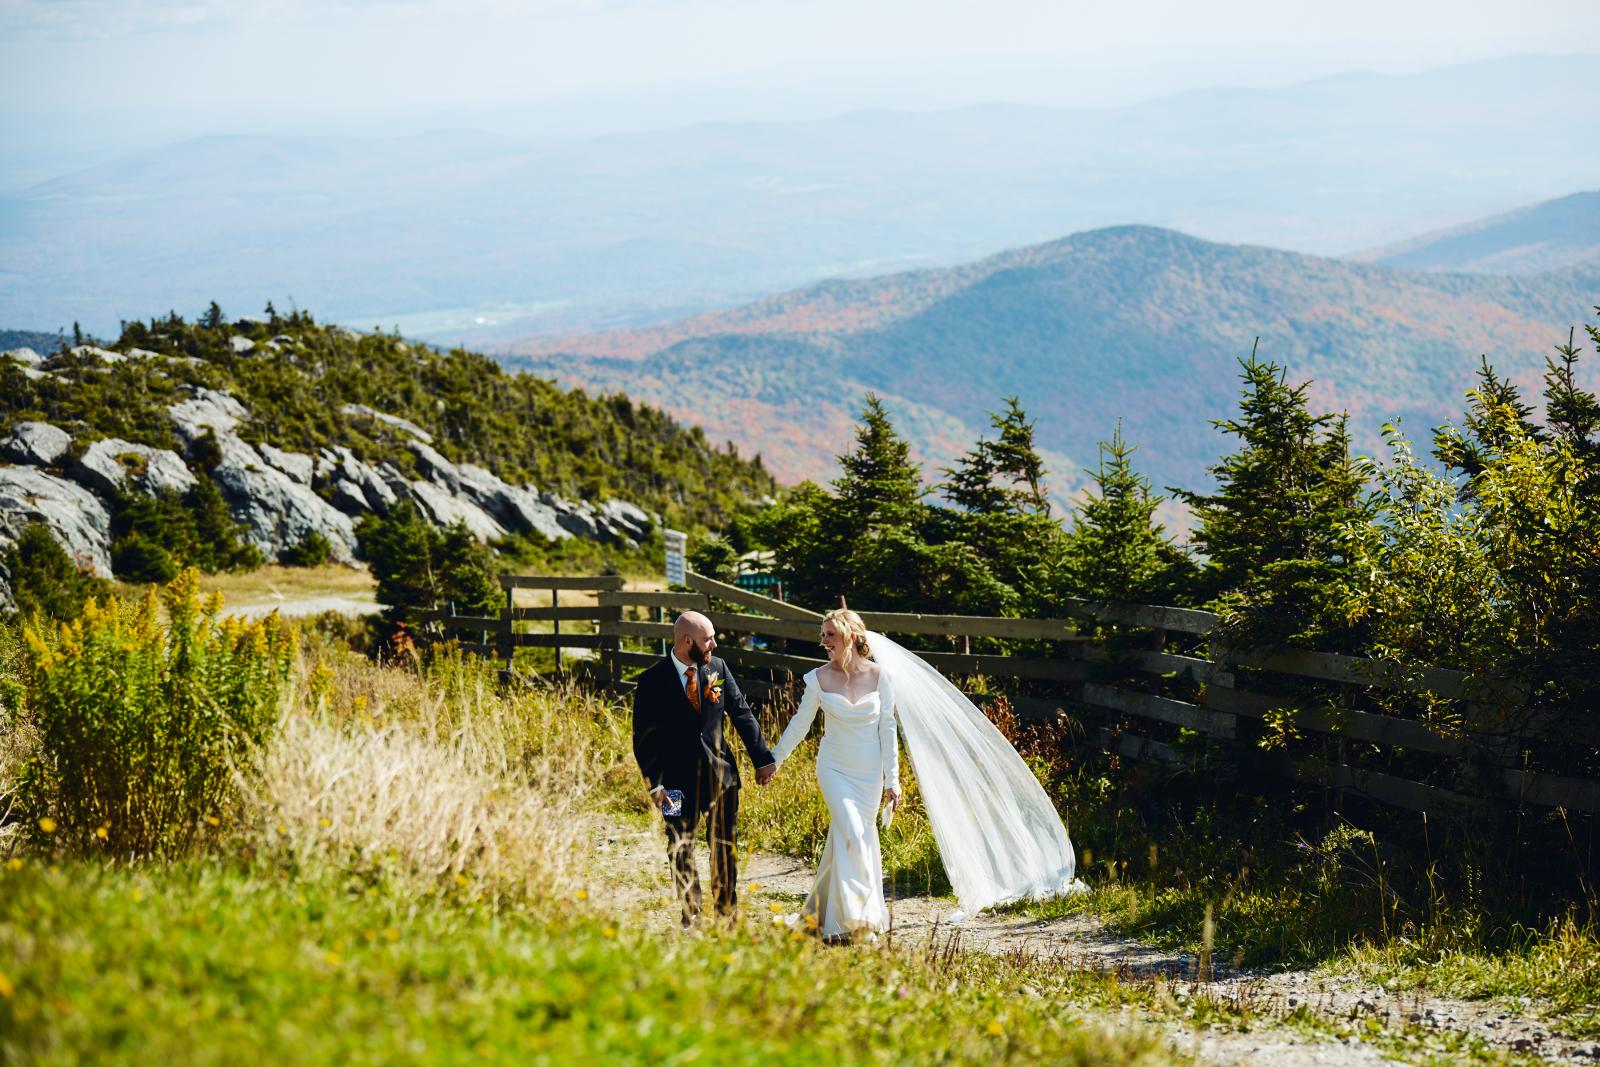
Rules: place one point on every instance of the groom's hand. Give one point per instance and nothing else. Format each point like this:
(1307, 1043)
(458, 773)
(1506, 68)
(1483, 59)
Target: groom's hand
(658, 797)
(764, 774)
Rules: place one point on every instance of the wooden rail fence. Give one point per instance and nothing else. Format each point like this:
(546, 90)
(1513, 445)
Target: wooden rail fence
(1147, 703)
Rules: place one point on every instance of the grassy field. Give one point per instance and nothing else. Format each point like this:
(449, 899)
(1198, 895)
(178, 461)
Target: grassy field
(405, 878)
(222, 963)
(408, 874)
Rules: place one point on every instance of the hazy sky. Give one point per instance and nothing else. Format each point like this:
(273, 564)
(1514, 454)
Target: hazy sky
(86, 81)
(362, 54)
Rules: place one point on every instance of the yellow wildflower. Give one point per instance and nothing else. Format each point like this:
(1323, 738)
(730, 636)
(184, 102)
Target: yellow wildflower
(369, 935)
(47, 824)
(212, 820)
(324, 822)
(776, 907)
(610, 931)
(6, 988)
(582, 894)
(995, 1029)
(728, 959)
(334, 959)
(100, 832)
(15, 863)
(391, 934)
(461, 879)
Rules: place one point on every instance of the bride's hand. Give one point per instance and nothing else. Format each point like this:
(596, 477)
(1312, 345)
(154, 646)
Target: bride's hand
(891, 797)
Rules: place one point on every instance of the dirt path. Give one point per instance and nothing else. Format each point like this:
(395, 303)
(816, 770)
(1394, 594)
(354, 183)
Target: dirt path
(633, 864)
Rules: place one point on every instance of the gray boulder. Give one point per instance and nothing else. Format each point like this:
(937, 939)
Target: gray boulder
(405, 425)
(296, 465)
(26, 356)
(444, 508)
(580, 525)
(111, 465)
(631, 519)
(241, 344)
(78, 520)
(208, 410)
(436, 467)
(38, 444)
(278, 512)
(104, 355)
(348, 498)
(368, 490)
(519, 510)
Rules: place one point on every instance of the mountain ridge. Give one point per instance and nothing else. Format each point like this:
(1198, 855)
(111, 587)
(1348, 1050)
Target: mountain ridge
(1133, 322)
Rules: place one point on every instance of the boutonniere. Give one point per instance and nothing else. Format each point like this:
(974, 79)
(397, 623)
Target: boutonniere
(713, 686)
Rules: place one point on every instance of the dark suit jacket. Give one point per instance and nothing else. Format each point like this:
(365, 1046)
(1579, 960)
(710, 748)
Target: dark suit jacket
(678, 748)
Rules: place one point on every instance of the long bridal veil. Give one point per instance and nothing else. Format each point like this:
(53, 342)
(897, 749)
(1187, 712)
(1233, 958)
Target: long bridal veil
(999, 836)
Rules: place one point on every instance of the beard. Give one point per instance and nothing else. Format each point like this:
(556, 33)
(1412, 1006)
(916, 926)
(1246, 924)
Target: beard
(697, 654)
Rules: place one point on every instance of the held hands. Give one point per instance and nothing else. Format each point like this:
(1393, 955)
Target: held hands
(891, 797)
(658, 797)
(764, 774)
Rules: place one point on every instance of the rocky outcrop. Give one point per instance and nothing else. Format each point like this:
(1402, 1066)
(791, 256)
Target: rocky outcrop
(444, 509)
(357, 487)
(104, 355)
(26, 356)
(280, 497)
(37, 444)
(111, 465)
(277, 511)
(80, 522)
(296, 465)
(405, 425)
(515, 509)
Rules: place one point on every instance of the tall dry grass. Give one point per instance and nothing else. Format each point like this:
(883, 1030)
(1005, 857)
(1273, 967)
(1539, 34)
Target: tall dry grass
(435, 775)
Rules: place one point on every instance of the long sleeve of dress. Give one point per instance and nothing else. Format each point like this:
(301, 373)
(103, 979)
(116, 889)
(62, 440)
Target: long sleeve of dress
(888, 738)
(800, 725)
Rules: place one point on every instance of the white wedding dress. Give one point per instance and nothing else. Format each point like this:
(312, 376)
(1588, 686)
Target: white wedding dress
(857, 760)
(1000, 838)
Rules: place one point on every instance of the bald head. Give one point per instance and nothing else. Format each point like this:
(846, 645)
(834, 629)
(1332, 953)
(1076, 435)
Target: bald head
(693, 637)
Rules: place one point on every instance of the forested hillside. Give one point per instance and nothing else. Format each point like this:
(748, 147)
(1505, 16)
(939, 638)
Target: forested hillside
(298, 376)
(1133, 323)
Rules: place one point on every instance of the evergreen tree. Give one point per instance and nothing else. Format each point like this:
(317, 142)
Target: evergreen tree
(419, 567)
(879, 488)
(398, 548)
(1117, 549)
(1487, 428)
(466, 569)
(1276, 532)
(212, 318)
(1003, 512)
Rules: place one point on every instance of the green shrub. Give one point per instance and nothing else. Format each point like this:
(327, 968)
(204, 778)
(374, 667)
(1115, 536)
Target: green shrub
(313, 551)
(155, 536)
(44, 579)
(141, 725)
(137, 558)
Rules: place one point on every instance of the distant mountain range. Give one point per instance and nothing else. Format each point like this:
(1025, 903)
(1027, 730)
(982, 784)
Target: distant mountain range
(467, 236)
(1547, 236)
(1133, 323)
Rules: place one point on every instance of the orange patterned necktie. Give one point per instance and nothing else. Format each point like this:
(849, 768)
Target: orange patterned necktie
(691, 687)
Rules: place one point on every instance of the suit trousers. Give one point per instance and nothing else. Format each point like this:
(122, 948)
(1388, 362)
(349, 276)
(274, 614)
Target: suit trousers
(721, 814)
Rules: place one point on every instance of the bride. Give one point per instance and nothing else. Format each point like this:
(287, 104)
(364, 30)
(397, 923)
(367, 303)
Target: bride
(999, 836)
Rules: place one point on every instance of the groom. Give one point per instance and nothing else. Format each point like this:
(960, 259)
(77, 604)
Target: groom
(678, 710)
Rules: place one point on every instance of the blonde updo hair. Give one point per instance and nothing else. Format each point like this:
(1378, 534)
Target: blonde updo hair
(850, 626)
